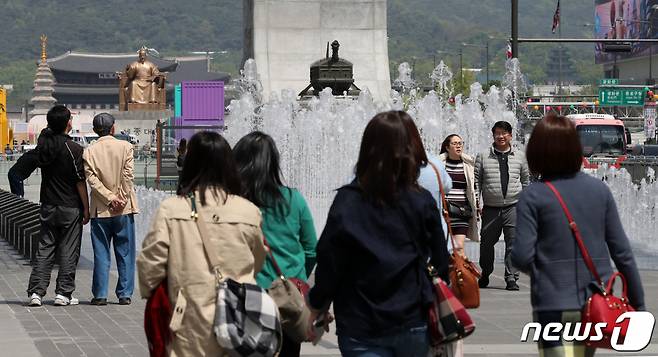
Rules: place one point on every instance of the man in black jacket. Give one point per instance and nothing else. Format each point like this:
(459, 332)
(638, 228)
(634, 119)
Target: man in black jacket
(64, 209)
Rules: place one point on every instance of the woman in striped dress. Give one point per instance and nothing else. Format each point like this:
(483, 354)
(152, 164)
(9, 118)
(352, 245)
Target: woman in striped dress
(460, 167)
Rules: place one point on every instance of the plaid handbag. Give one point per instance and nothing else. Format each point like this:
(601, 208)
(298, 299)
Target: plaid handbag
(448, 320)
(246, 318)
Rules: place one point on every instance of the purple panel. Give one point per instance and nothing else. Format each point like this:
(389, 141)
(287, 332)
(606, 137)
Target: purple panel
(202, 100)
(187, 133)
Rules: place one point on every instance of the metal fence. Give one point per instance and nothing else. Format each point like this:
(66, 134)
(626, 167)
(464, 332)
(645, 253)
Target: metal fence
(168, 139)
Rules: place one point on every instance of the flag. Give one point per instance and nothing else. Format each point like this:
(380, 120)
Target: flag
(509, 50)
(556, 17)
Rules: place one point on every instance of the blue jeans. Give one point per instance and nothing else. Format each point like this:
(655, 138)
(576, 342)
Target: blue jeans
(411, 343)
(121, 229)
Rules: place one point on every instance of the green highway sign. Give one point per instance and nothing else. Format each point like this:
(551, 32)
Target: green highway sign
(609, 82)
(621, 96)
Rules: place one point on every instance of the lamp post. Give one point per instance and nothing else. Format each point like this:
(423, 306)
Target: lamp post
(486, 47)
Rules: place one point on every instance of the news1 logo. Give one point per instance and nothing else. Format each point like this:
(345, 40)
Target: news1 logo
(638, 331)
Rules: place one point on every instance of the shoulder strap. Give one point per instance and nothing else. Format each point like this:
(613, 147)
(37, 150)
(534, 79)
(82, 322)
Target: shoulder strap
(203, 232)
(576, 234)
(278, 270)
(444, 204)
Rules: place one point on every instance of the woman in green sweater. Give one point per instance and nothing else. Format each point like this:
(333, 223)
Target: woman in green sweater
(287, 221)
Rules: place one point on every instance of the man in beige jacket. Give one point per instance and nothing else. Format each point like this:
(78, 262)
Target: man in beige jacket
(109, 170)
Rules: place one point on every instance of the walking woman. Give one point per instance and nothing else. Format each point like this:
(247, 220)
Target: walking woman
(545, 247)
(173, 249)
(287, 221)
(380, 231)
(462, 204)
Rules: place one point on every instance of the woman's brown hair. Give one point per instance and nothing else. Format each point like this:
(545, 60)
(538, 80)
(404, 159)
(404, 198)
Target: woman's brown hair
(554, 148)
(386, 163)
(446, 143)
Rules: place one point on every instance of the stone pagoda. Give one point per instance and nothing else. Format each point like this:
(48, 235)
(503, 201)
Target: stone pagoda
(42, 94)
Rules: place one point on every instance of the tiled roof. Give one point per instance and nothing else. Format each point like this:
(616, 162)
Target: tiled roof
(100, 62)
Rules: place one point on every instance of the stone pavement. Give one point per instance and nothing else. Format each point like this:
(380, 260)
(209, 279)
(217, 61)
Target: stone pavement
(115, 330)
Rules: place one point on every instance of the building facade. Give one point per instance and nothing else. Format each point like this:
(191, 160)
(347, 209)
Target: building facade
(89, 80)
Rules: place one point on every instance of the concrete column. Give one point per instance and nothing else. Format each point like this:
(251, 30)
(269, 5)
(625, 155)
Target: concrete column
(286, 36)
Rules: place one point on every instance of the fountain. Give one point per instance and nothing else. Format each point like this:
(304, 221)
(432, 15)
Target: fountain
(319, 141)
(441, 78)
(405, 79)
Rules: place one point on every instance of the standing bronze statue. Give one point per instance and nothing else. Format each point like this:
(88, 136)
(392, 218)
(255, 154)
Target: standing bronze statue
(142, 85)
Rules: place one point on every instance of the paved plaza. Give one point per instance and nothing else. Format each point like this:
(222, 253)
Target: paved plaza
(114, 330)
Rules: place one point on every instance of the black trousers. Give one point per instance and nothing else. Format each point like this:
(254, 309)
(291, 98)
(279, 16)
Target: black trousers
(289, 348)
(497, 220)
(61, 235)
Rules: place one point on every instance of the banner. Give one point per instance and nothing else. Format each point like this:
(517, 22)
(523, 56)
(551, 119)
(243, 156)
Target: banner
(625, 19)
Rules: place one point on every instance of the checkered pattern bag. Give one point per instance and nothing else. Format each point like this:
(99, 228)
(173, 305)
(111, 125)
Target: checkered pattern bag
(448, 319)
(247, 320)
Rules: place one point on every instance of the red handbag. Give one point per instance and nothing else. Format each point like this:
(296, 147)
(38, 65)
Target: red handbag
(602, 306)
(157, 316)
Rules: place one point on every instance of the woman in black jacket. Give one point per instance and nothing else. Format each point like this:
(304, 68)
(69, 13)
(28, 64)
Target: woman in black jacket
(368, 259)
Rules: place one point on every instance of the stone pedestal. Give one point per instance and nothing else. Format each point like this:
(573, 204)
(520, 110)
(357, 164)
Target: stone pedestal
(140, 123)
(286, 36)
(146, 107)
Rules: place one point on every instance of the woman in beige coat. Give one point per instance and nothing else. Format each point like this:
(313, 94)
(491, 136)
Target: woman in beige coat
(173, 249)
(460, 167)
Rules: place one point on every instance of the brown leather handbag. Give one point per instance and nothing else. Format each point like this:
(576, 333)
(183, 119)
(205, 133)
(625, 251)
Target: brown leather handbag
(464, 274)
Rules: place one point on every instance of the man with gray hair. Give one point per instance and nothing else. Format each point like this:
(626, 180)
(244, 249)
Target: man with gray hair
(109, 169)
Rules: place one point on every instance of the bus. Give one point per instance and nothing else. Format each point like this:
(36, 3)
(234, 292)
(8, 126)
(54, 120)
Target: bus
(604, 139)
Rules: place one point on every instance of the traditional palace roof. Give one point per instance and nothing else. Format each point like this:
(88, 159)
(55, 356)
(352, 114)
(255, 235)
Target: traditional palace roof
(103, 62)
(90, 78)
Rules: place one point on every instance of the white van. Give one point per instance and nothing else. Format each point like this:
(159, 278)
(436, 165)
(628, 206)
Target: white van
(84, 139)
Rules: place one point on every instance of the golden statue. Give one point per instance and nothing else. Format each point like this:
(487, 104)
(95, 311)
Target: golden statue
(142, 85)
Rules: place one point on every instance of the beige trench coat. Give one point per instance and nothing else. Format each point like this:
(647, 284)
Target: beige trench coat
(173, 250)
(109, 168)
(469, 171)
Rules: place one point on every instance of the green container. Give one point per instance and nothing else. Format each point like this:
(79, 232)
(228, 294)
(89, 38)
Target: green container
(178, 101)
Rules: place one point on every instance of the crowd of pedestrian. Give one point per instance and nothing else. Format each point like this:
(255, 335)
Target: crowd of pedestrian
(369, 262)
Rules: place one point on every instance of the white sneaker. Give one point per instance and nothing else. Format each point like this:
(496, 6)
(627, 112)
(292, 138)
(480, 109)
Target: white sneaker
(61, 300)
(35, 300)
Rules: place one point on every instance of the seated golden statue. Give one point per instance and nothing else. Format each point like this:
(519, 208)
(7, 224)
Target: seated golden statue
(142, 85)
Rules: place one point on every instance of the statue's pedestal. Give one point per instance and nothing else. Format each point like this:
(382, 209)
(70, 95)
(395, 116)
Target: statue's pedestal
(146, 107)
(140, 123)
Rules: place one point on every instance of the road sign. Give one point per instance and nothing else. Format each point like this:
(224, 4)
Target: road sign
(608, 82)
(621, 96)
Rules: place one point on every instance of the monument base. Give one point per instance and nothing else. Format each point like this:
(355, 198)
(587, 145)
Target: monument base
(140, 123)
(146, 107)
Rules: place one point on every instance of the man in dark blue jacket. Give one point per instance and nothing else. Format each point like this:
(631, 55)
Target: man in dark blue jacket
(22, 169)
